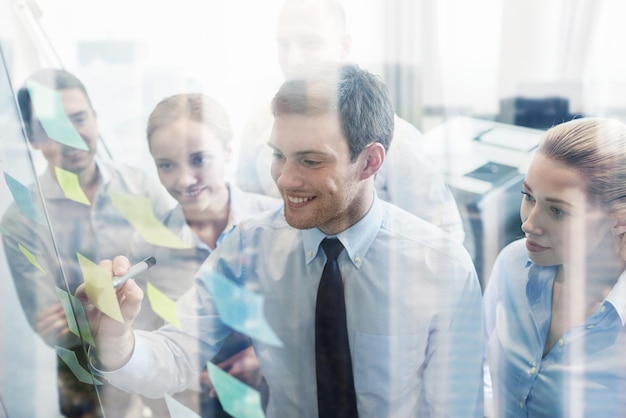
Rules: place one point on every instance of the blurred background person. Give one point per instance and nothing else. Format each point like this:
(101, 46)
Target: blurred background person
(310, 32)
(94, 229)
(189, 137)
(555, 305)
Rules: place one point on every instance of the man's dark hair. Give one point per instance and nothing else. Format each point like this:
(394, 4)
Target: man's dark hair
(360, 98)
(52, 78)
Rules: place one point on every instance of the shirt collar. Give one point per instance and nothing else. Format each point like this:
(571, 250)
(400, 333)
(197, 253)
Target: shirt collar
(238, 210)
(617, 297)
(238, 206)
(356, 240)
(539, 281)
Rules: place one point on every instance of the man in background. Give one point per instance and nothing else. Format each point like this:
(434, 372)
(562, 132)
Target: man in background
(310, 32)
(90, 225)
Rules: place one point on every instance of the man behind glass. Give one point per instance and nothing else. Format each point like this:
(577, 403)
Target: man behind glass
(310, 32)
(412, 299)
(94, 228)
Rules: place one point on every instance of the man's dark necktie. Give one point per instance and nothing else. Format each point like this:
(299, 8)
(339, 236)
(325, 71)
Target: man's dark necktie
(335, 384)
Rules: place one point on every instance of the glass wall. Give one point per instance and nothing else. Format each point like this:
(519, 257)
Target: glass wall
(480, 80)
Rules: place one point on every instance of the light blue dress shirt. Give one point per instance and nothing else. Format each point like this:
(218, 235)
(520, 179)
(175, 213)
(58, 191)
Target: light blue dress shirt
(175, 271)
(413, 307)
(583, 374)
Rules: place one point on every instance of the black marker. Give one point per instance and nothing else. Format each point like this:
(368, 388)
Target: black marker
(133, 271)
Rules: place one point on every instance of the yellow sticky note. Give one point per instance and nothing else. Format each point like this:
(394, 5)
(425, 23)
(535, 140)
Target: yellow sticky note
(162, 305)
(70, 186)
(30, 257)
(99, 288)
(138, 211)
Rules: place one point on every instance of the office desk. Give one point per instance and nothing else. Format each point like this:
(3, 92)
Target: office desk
(484, 163)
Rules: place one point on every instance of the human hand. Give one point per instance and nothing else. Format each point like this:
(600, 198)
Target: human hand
(51, 324)
(115, 340)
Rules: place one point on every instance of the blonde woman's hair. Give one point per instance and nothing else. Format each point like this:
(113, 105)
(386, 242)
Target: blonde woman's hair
(596, 147)
(196, 107)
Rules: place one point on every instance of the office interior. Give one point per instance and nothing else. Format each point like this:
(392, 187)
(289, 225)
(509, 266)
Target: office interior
(481, 80)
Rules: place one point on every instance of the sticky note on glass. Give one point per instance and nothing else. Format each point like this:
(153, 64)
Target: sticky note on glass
(99, 288)
(76, 317)
(178, 410)
(24, 200)
(163, 305)
(30, 257)
(70, 186)
(4, 231)
(69, 358)
(240, 309)
(48, 106)
(138, 212)
(237, 398)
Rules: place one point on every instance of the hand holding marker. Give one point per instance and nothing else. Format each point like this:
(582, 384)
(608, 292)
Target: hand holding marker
(134, 271)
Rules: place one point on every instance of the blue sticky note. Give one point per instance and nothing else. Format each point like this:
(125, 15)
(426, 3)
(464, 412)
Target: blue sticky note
(237, 398)
(240, 309)
(48, 106)
(178, 410)
(24, 200)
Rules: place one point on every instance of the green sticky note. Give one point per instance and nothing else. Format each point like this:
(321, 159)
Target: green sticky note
(70, 186)
(138, 212)
(69, 358)
(48, 106)
(163, 305)
(237, 398)
(30, 257)
(99, 288)
(178, 410)
(76, 317)
(4, 231)
(64, 297)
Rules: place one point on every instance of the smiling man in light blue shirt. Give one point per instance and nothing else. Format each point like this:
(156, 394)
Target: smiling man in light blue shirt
(413, 302)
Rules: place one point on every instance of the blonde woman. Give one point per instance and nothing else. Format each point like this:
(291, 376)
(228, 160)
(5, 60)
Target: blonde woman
(189, 137)
(555, 304)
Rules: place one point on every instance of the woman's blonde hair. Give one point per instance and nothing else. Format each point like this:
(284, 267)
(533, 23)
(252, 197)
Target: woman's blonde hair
(195, 107)
(596, 147)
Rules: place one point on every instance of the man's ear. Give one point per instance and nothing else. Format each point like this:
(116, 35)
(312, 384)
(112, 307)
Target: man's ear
(32, 141)
(373, 157)
(619, 227)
